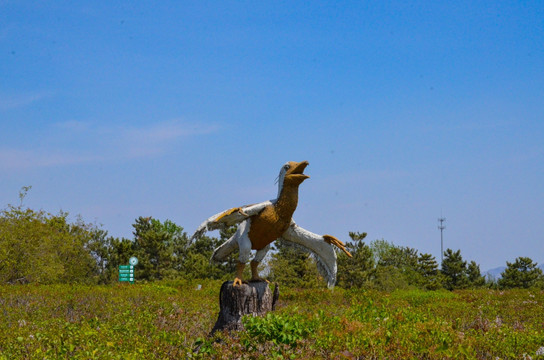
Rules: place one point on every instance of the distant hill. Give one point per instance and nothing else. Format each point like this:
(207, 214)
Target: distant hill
(495, 273)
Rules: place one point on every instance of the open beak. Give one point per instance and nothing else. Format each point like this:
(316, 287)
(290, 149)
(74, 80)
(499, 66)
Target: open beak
(299, 167)
(297, 171)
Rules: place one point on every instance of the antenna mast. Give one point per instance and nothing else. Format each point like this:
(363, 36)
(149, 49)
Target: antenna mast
(441, 227)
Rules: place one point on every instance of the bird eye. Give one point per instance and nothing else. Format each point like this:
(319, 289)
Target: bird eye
(286, 167)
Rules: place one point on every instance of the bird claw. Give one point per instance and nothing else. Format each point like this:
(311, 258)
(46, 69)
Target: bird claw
(237, 282)
(334, 241)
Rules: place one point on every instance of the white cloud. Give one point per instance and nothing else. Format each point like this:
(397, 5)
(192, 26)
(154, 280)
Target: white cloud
(84, 142)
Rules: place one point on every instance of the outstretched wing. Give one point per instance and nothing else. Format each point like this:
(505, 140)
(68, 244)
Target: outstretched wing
(323, 252)
(229, 217)
(320, 246)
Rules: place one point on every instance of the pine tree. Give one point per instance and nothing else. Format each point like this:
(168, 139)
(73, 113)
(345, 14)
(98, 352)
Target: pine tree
(356, 271)
(455, 270)
(475, 277)
(197, 263)
(294, 267)
(522, 273)
(155, 244)
(119, 252)
(427, 267)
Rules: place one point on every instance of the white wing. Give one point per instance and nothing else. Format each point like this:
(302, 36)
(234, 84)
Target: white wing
(230, 217)
(322, 251)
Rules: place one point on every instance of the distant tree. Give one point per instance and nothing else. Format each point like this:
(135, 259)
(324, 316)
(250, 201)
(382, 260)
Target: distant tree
(400, 257)
(522, 273)
(427, 267)
(155, 244)
(228, 268)
(197, 263)
(396, 266)
(454, 270)
(380, 249)
(357, 236)
(97, 246)
(292, 266)
(116, 252)
(475, 277)
(357, 271)
(38, 247)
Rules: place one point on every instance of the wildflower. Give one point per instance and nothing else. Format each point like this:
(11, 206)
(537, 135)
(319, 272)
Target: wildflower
(540, 351)
(22, 323)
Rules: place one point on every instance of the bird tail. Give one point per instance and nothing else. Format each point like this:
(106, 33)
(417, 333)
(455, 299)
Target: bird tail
(222, 252)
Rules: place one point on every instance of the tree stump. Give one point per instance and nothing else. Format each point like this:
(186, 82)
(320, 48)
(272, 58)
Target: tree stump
(255, 298)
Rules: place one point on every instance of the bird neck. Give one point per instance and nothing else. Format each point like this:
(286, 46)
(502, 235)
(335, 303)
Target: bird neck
(287, 201)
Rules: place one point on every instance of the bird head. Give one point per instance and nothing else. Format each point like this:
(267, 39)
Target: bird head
(292, 173)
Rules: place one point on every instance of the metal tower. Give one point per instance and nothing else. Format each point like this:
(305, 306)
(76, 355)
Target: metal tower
(441, 227)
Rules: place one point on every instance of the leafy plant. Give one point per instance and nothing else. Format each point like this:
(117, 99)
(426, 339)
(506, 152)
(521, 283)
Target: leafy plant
(277, 328)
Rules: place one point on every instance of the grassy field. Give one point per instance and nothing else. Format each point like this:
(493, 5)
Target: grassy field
(168, 320)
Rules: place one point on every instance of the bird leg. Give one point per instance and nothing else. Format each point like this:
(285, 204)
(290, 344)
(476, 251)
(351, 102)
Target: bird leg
(255, 273)
(239, 270)
(334, 241)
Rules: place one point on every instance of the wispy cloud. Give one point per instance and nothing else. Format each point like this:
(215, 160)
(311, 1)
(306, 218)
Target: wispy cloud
(166, 131)
(85, 142)
(156, 138)
(8, 102)
(24, 159)
(73, 125)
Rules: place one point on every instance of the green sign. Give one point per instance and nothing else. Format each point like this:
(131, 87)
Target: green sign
(126, 273)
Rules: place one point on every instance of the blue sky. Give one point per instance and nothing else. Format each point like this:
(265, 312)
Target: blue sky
(405, 110)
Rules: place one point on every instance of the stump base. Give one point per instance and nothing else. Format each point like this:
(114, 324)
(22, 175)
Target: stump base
(255, 298)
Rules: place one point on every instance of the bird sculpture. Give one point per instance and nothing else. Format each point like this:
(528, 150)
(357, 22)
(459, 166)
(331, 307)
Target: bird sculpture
(261, 224)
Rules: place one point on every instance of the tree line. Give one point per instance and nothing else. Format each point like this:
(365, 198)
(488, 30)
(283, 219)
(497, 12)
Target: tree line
(40, 247)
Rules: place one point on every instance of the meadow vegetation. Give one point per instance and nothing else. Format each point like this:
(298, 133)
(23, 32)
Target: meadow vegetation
(171, 319)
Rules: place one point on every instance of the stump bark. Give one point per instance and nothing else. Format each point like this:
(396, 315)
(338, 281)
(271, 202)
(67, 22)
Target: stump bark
(253, 298)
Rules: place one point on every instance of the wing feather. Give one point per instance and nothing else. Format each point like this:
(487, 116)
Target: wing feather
(322, 251)
(229, 217)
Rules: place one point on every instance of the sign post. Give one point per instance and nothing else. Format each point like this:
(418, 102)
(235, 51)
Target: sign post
(126, 272)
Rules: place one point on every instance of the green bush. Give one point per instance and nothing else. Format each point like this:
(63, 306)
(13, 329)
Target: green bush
(38, 247)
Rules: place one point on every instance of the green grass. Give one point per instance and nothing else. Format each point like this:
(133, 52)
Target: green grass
(168, 320)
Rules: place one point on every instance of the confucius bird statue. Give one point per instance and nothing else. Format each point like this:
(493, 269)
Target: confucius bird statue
(260, 224)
